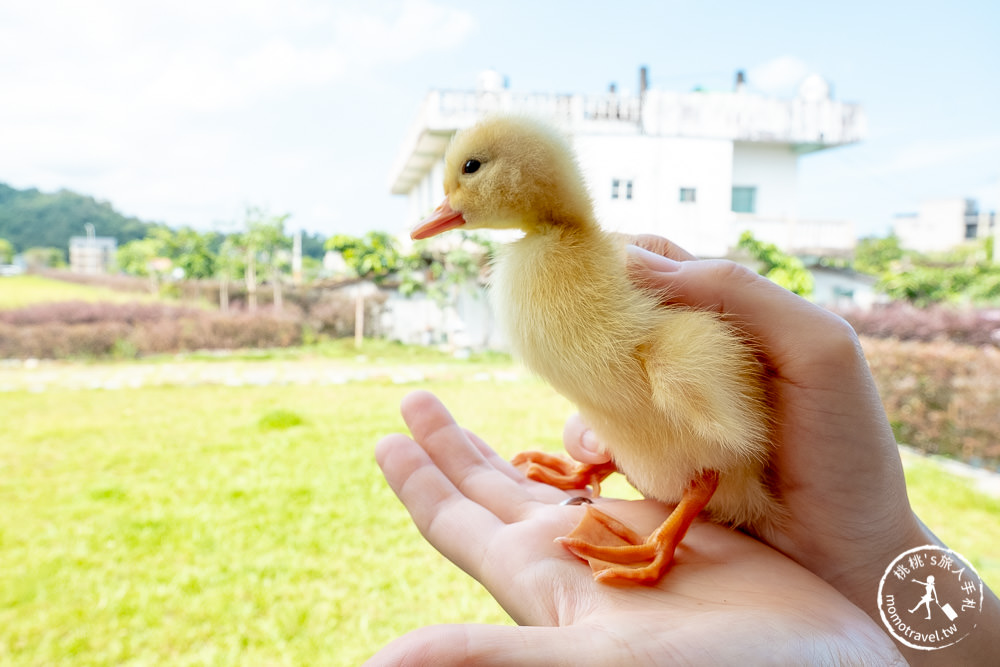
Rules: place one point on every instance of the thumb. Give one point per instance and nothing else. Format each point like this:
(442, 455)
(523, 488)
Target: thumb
(781, 321)
(443, 645)
(581, 443)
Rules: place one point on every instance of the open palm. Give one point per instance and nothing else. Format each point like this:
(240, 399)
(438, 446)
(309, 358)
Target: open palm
(727, 597)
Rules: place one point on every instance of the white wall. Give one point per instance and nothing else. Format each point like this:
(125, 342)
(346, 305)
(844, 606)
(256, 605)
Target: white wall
(773, 170)
(939, 225)
(427, 194)
(834, 288)
(658, 168)
(467, 323)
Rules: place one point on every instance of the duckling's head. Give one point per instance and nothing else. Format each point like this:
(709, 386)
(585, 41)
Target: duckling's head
(509, 172)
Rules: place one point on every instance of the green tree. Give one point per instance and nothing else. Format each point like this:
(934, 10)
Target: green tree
(964, 274)
(874, 255)
(188, 250)
(229, 264)
(139, 258)
(443, 269)
(922, 283)
(6, 251)
(43, 258)
(374, 257)
(439, 269)
(778, 266)
(262, 242)
(313, 245)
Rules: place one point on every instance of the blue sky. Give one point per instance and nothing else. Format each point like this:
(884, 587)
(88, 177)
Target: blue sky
(187, 112)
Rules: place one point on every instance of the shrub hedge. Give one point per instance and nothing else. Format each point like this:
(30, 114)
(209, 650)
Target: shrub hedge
(906, 322)
(941, 397)
(77, 329)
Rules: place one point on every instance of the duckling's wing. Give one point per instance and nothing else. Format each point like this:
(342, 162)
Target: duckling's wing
(707, 382)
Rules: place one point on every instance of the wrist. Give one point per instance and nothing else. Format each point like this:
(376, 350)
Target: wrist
(891, 586)
(859, 580)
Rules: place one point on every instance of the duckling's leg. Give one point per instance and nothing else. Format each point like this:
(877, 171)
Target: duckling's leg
(616, 552)
(563, 473)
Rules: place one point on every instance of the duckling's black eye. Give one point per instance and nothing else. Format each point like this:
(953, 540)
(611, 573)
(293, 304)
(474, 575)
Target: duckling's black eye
(471, 166)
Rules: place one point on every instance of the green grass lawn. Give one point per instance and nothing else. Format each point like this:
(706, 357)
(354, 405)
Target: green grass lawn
(223, 526)
(250, 525)
(20, 291)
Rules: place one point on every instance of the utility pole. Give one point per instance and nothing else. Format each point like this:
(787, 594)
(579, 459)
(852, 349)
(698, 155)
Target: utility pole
(297, 258)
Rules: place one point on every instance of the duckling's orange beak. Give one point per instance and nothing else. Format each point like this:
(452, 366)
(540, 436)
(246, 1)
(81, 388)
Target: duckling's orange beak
(442, 219)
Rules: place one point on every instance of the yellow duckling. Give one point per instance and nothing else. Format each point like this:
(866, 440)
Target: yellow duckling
(676, 396)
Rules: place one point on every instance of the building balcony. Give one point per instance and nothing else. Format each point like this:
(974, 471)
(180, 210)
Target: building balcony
(804, 123)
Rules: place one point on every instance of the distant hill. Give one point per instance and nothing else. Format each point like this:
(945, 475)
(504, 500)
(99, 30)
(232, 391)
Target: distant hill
(32, 219)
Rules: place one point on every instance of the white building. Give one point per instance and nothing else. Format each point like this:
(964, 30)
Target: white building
(942, 224)
(699, 167)
(92, 255)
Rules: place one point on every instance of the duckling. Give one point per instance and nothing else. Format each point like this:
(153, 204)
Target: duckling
(676, 396)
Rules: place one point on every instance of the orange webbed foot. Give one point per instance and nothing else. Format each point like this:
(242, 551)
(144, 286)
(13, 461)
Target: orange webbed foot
(563, 473)
(617, 553)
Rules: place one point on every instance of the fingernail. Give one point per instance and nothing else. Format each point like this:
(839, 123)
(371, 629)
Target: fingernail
(590, 442)
(651, 260)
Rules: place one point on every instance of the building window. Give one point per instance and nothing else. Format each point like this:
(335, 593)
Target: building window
(744, 200)
(688, 195)
(616, 189)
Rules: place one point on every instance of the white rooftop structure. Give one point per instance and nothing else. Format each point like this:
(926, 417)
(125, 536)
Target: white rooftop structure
(942, 224)
(93, 255)
(698, 167)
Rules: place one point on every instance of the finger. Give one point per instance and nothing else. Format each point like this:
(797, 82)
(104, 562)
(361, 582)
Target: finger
(540, 491)
(494, 459)
(781, 321)
(581, 443)
(463, 463)
(661, 246)
(544, 493)
(456, 526)
(469, 534)
(499, 645)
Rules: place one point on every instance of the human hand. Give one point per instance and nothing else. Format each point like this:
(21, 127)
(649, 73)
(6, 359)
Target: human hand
(727, 597)
(836, 464)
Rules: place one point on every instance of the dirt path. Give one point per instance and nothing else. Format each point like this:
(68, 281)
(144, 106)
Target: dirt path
(34, 375)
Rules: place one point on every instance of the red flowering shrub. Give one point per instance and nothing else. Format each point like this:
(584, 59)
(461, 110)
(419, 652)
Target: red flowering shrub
(941, 397)
(53, 341)
(81, 312)
(332, 314)
(905, 322)
(77, 329)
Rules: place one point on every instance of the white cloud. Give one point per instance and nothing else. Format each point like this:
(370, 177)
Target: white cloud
(779, 76)
(206, 55)
(154, 105)
(393, 36)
